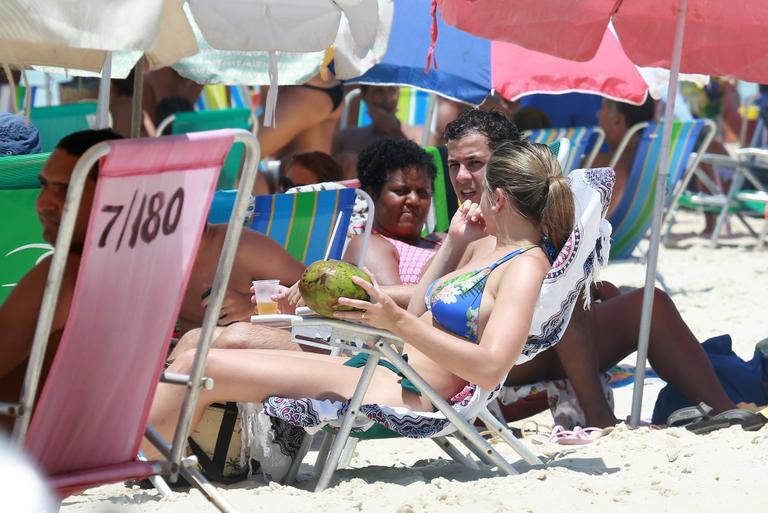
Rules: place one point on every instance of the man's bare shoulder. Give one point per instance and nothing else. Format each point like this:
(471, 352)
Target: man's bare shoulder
(19, 312)
(31, 285)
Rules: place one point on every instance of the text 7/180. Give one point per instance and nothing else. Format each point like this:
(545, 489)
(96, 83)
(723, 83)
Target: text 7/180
(152, 217)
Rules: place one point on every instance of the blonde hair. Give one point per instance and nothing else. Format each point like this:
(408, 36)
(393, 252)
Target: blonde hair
(530, 176)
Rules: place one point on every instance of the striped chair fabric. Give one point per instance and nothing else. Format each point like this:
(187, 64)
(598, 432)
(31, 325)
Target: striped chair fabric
(585, 143)
(303, 222)
(632, 217)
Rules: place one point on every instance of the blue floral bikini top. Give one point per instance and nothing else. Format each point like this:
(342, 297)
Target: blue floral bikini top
(455, 303)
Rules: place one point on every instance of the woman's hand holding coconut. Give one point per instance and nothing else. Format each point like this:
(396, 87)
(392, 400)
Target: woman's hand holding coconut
(380, 311)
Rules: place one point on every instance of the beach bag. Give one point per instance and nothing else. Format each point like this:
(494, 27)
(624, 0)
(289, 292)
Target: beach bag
(216, 443)
(742, 380)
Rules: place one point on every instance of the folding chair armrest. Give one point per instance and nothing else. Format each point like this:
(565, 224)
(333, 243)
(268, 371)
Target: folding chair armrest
(717, 159)
(758, 153)
(310, 319)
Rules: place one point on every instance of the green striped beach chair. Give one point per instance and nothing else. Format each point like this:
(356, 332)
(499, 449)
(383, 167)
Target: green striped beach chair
(412, 106)
(304, 223)
(585, 143)
(57, 121)
(200, 121)
(444, 200)
(632, 218)
(21, 241)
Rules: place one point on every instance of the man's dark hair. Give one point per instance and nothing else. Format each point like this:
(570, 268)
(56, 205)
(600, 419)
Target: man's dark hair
(493, 124)
(381, 157)
(634, 114)
(78, 143)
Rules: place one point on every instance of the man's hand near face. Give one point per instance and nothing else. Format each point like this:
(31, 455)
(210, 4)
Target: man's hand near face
(384, 121)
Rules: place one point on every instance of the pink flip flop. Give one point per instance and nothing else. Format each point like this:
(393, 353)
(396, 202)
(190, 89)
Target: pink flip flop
(579, 436)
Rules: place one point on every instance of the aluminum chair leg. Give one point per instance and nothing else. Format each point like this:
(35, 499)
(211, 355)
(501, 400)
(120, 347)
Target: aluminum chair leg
(503, 431)
(484, 459)
(293, 470)
(763, 235)
(158, 482)
(442, 405)
(210, 492)
(736, 184)
(348, 453)
(455, 454)
(341, 437)
(322, 455)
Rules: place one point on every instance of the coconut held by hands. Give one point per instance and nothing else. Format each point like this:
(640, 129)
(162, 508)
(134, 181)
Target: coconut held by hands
(325, 281)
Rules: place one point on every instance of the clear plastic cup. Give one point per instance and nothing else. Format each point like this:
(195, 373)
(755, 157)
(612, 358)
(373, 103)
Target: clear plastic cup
(264, 290)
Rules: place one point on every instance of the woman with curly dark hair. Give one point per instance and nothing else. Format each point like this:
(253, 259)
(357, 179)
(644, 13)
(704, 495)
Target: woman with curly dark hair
(398, 175)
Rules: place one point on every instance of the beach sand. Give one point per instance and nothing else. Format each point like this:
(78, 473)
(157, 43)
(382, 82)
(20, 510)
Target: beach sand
(718, 291)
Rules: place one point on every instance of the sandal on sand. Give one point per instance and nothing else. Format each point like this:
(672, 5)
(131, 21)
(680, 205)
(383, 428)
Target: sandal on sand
(579, 436)
(749, 421)
(532, 429)
(689, 415)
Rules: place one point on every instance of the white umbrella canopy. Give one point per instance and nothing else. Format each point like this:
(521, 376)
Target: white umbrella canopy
(78, 35)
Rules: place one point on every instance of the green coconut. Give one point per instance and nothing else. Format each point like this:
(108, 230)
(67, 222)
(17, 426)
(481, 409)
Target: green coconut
(325, 281)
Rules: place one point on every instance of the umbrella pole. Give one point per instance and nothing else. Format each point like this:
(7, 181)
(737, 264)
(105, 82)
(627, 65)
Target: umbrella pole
(138, 96)
(102, 107)
(658, 211)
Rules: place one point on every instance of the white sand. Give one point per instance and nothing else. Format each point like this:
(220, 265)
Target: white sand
(717, 291)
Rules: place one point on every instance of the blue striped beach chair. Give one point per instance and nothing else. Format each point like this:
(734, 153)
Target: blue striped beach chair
(632, 218)
(303, 223)
(585, 143)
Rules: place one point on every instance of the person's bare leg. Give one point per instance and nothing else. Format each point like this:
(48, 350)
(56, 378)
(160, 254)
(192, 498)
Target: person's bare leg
(240, 335)
(253, 375)
(601, 337)
(674, 352)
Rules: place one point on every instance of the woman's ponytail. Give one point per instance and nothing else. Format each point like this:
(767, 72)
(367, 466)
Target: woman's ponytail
(531, 177)
(559, 214)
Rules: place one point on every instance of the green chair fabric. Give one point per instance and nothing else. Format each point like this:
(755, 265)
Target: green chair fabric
(57, 121)
(21, 241)
(199, 121)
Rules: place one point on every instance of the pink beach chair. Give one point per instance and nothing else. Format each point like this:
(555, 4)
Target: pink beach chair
(148, 214)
